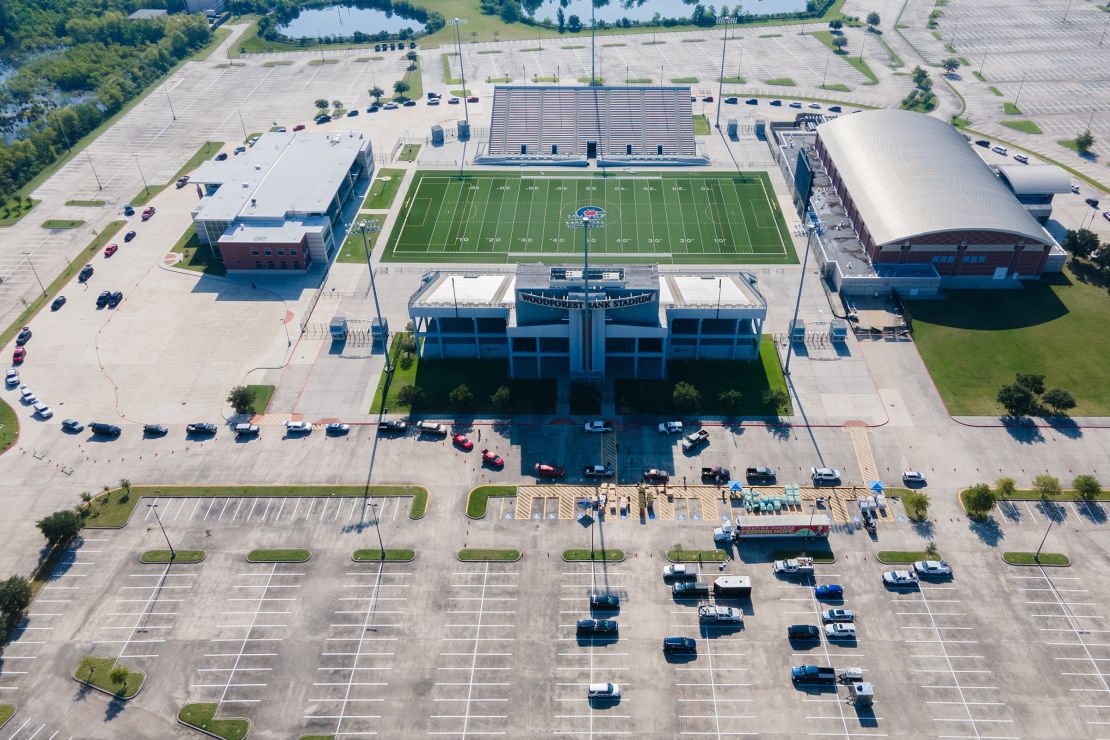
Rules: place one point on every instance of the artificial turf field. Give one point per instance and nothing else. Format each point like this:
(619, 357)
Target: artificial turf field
(666, 218)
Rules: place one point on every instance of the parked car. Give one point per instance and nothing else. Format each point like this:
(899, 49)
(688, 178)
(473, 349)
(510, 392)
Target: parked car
(26, 395)
(297, 427)
(983, 143)
(452, 101)
(129, 236)
(899, 578)
(680, 645)
(837, 615)
(598, 427)
(1106, 215)
(795, 104)
(1021, 158)
(752, 101)
(298, 127)
(337, 429)
(1000, 149)
(240, 149)
(707, 99)
(462, 442)
(390, 106)
(670, 427)
(492, 458)
(182, 181)
(432, 428)
(824, 476)
(102, 299)
(85, 274)
(19, 356)
(597, 471)
(373, 109)
(148, 213)
(603, 692)
(472, 99)
(679, 571)
(409, 104)
(1075, 188)
(128, 210)
(43, 411)
(246, 430)
(809, 675)
(23, 337)
(11, 380)
(803, 632)
(932, 569)
(605, 601)
(393, 426)
(201, 427)
(548, 471)
(433, 101)
(154, 430)
(839, 631)
(103, 429)
(72, 426)
(731, 101)
(596, 627)
(1092, 202)
(835, 109)
(58, 303)
(114, 299)
(352, 113)
(110, 250)
(815, 106)
(913, 478)
(654, 475)
(223, 155)
(829, 591)
(777, 103)
(694, 440)
(323, 119)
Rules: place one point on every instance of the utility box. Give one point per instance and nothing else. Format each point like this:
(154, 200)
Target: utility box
(379, 334)
(861, 693)
(797, 330)
(338, 328)
(838, 331)
(733, 129)
(437, 135)
(464, 130)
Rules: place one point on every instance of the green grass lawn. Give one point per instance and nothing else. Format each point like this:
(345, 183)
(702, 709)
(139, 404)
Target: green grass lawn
(322, 62)
(97, 672)
(13, 209)
(112, 509)
(203, 716)
(262, 395)
(701, 125)
(711, 378)
(1031, 558)
(836, 87)
(471, 555)
(9, 426)
(6, 712)
(408, 153)
(1010, 109)
(286, 555)
(483, 377)
(207, 150)
(682, 555)
(733, 80)
(975, 341)
(62, 223)
(902, 557)
(85, 203)
(663, 217)
(1067, 494)
(416, 84)
(614, 555)
(353, 249)
(819, 556)
(781, 82)
(196, 256)
(826, 37)
(179, 556)
(684, 80)
(478, 499)
(1026, 127)
(391, 555)
(383, 190)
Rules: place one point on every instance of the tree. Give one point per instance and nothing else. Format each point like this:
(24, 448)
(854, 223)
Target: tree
(574, 25)
(1046, 486)
(839, 42)
(561, 19)
(1016, 399)
(502, 398)
(460, 398)
(337, 103)
(118, 677)
(686, 396)
(1081, 243)
(836, 24)
(951, 64)
(241, 399)
(1032, 381)
(1059, 400)
(776, 398)
(125, 486)
(411, 56)
(979, 500)
(731, 400)
(376, 93)
(88, 665)
(15, 595)
(411, 396)
(873, 20)
(919, 76)
(1084, 142)
(401, 87)
(1005, 488)
(322, 103)
(917, 505)
(1087, 486)
(60, 527)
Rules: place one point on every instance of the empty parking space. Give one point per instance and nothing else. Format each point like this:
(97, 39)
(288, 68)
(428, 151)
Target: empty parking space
(279, 511)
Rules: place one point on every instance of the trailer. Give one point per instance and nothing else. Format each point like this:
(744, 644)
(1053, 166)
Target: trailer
(733, 587)
(786, 525)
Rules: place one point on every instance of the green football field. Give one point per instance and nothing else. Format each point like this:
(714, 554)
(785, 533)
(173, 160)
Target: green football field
(667, 218)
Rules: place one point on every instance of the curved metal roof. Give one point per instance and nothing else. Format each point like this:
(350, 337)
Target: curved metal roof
(1035, 178)
(910, 174)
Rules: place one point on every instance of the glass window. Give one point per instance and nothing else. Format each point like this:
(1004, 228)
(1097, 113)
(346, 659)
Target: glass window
(292, 251)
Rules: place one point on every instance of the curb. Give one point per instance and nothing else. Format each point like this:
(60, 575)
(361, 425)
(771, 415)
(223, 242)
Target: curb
(183, 723)
(1036, 565)
(203, 557)
(667, 555)
(109, 693)
(899, 562)
(517, 559)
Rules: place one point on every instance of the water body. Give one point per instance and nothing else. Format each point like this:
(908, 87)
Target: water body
(339, 20)
(615, 10)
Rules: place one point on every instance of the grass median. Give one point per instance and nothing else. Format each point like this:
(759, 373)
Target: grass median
(614, 555)
(469, 555)
(62, 223)
(375, 555)
(1056, 559)
(682, 555)
(479, 498)
(287, 555)
(9, 426)
(203, 717)
(6, 712)
(151, 557)
(105, 674)
(113, 508)
(904, 557)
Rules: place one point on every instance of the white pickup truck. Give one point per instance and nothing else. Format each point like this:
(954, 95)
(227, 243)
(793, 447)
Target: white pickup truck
(794, 567)
(708, 614)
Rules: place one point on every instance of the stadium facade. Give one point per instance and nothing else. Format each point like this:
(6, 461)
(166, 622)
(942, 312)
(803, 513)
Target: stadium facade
(604, 322)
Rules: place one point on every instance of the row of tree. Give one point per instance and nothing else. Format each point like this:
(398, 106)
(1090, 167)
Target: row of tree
(522, 11)
(1083, 246)
(980, 499)
(1027, 395)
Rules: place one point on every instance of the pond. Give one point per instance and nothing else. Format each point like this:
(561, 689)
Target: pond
(341, 20)
(615, 9)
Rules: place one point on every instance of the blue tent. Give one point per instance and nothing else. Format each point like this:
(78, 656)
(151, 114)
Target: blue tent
(735, 485)
(876, 486)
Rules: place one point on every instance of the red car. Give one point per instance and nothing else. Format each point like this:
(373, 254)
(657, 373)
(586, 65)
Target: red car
(462, 442)
(548, 471)
(491, 457)
(299, 127)
(148, 212)
(110, 250)
(472, 99)
(20, 354)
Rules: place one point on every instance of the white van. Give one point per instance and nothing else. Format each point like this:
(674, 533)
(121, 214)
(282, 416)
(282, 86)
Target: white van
(1021, 158)
(1000, 150)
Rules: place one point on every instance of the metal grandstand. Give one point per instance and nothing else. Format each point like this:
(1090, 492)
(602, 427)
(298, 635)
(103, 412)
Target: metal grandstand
(553, 125)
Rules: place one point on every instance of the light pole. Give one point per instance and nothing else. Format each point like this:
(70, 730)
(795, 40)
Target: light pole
(593, 43)
(825, 74)
(35, 272)
(983, 63)
(98, 185)
(811, 232)
(378, 529)
(364, 227)
(146, 188)
(171, 105)
(585, 218)
(862, 47)
(1066, 10)
(725, 21)
(62, 130)
(1104, 29)
(241, 123)
(154, 508)
(456, 22)
(1037, 555)
(1020, 85)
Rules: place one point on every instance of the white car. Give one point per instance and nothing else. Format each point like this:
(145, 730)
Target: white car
(824, 475)
(899, 578)
(43, 411)
(670, 427)
(913, 478)
(298, 426)
(603, 691)
(680, 570)
(840, 631)
(28, 397)
(932, 568)
(598, 427)
(12, 379)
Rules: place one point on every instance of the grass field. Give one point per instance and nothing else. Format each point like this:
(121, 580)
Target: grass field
(975, 341)
(670, 218)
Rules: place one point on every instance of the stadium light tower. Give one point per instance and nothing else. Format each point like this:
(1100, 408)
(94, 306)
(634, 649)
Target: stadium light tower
(586, 218)
(593, 42)
(726, 21)
(811, 234)
(364, 227)
(456, 22)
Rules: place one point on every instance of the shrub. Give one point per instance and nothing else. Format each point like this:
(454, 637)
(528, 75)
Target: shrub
(460, 398)
(731, 400)
(411, 396)
(686, 397)
(407, 358)
(1059, 400)
(917, 505)
(502, 398)
(776, 398)
(1046, 486)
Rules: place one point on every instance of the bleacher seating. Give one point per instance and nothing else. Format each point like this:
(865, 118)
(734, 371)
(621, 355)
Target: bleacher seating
(627, 123)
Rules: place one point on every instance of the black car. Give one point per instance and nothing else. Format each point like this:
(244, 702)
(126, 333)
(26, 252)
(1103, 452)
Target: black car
(58, 303)
(352, 113)
(221, 156)
(85, 274)
(605, 601)
(752, 101)
(731, 101)
(24, 337)
(680, 645)
(835, 109)
(201, 427)
(377, 47)
(128, 210)
(412, 44)
(983, 143)
(596, 627)
(409, 103)
(393, 426)
(154, 430)
(102, 429)
(776, 103)
(373, 109)
(803, 632)
(129, 236)
(323, 119)
(114, 299)
(103, 298)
